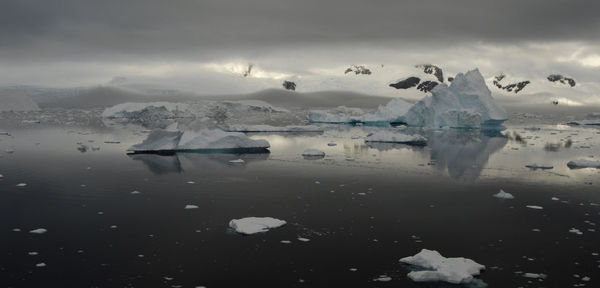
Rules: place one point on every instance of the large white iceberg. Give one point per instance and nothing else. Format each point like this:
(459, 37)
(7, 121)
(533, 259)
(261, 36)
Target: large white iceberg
(340, 114)
(161, 141)
(452, 270)
(253, 225)
(467, 102)
(390, 136)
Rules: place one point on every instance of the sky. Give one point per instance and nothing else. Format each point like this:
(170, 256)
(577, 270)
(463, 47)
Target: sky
(203, 46)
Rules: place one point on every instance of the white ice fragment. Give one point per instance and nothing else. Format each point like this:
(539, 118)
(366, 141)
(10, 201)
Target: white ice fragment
(583, 163)
(38, 231)
(534, 207)
(40, 265)
(285, 241)
(539, 166)
(383, 278)
(391, 136)
(452, 270)
(190, 182)
(504, 195)
(303, 239)
(586, 279)
(16, 230)
(113, 227)
(253, 225)
(190, 206)
(575, 231)
(1, 176)
(554, 199)
(535, 275)
(33, 253)
(135, 192)
(21, 185)
(236, 161)
(313, 152)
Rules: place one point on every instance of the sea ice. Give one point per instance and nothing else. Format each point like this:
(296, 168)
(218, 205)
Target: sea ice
(38, 231)
(535, 275)
(190, 207)
(151, 110)
(253, 225)
(534, 207)
(583, 163)
(585, 122)
(389, 136)
(236, 161)
(452, 270)
(504, 195)
(21, 185)
(313, 153)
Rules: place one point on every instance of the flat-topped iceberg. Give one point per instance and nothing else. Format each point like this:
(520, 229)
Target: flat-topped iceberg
(387, 136)
(253, 225)
(392, 112)
(269, 128)
(466, 103)
(162, 141)
(439, 268)
(150, 109)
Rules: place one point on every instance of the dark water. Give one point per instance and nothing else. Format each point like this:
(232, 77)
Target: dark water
(367, 212)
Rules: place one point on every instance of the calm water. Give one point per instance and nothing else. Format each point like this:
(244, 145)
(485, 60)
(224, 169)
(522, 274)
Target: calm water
(362, 206)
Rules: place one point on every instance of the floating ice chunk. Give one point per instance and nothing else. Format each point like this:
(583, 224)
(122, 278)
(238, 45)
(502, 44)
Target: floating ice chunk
(40, 265)
(236, 161)
(33, 253)
(135, 192)
(1, 176)
(341, 114)
(575, 231)
(190, 206)
(21, 185)
(535, 275)
(203, 140)
(504, 195)
(313, 153)
(303, 239)
(390, 136)
(466, 103)
(285, 241)
(269, 128)
(583, 163)
(393, 112)
(383, 278)
(253, 225)
(534, 207)
(452, 270)
(539, 166)
(38, 231)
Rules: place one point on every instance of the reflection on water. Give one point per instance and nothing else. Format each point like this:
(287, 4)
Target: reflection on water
(464, 152)
(180, 162)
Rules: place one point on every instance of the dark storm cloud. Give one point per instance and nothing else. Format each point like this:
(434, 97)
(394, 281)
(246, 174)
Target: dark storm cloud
(71, 29)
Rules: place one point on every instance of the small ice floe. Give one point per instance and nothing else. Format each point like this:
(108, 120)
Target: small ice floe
(452, 270)
(331, 144)
(350, 159)
(534, 207)
(9, 151)
(313, 153)
(535, 166)
(40, 265)
(16, 230)
(253, 225)
(190, 182)
(21, 185)
(583, 163)
(285, 241)
(585, 279)
(33, 253)
(503, 195)
(113, 227)
(575, 231)
(554, 199)
(237, 161)
(190, 207)
(1, 176)
(303, 239)
(386, 136)
(353, 269)
(383, 278)
(535, 275)
(135, 192)
(38, 231)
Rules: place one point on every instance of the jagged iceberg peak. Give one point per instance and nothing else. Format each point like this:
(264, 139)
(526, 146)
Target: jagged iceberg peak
(466, 103)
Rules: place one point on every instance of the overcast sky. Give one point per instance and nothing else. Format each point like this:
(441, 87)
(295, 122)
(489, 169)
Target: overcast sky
(203, 45)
